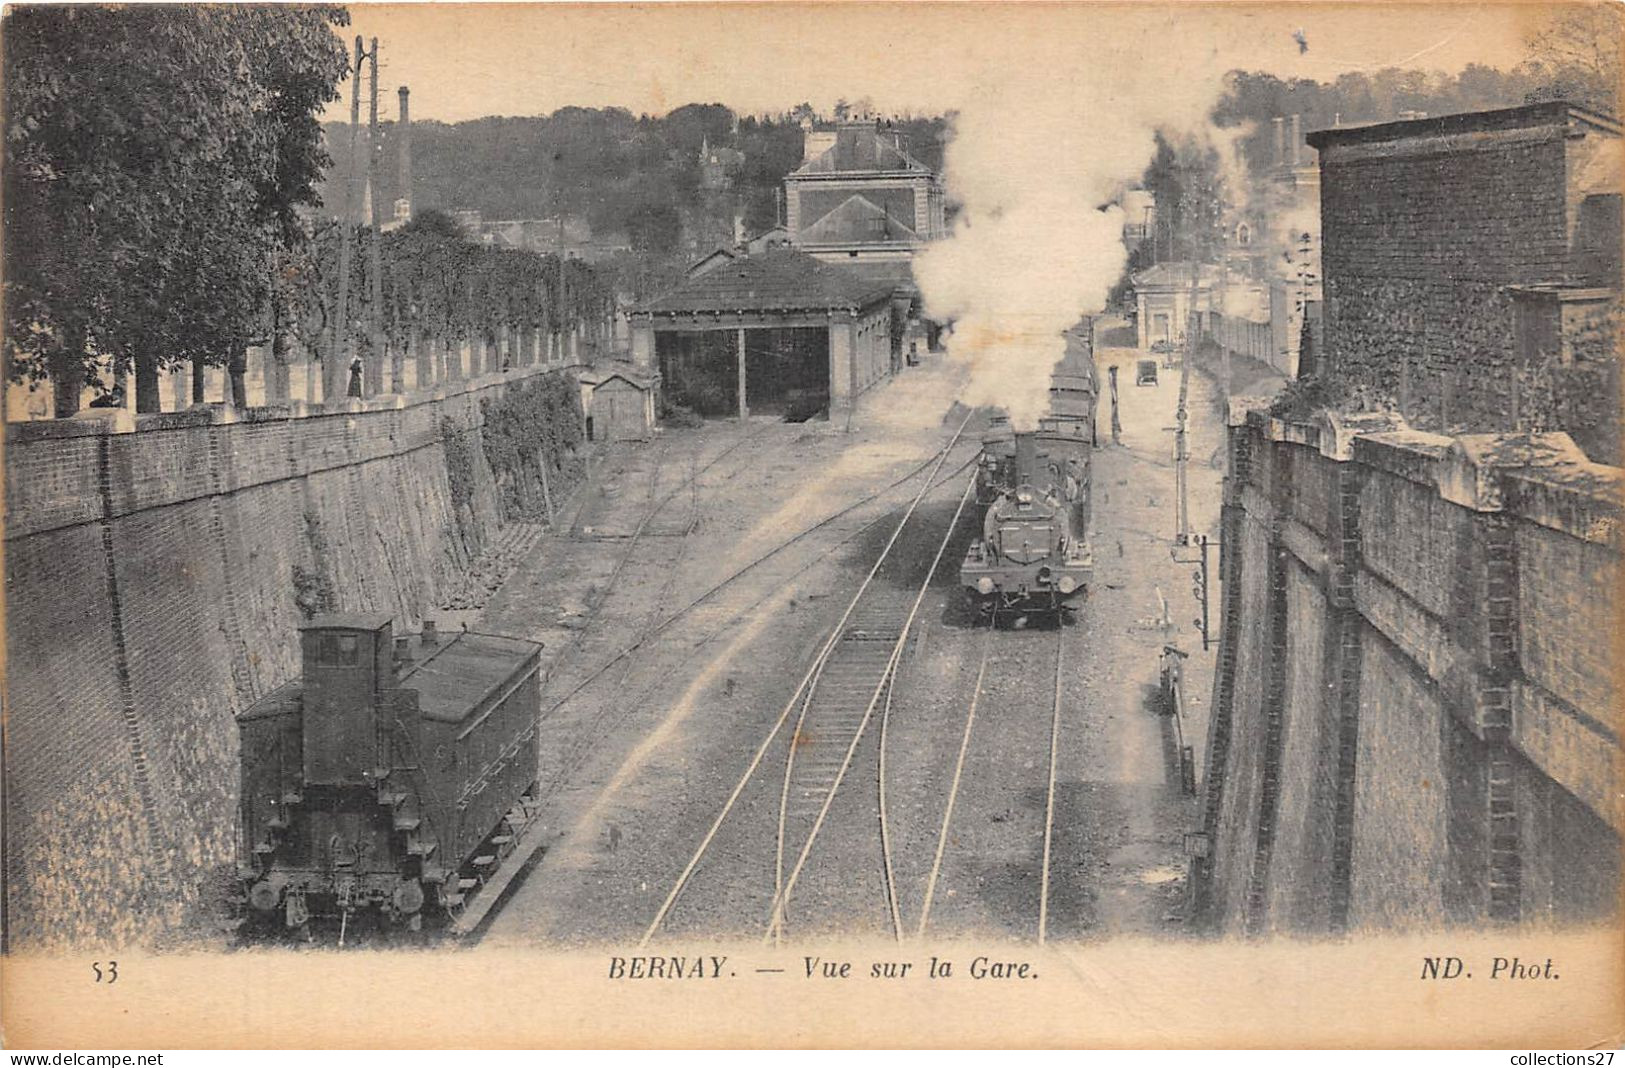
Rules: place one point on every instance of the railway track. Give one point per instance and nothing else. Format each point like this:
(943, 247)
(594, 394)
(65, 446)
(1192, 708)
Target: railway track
(710, 594)
(852, 678)
(653, 628)
(855, 668)
(631, 541)
(1006, 661)
(848, 688)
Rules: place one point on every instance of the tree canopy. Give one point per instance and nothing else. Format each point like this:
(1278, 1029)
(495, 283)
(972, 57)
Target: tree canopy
(157, 157)
(636, 178)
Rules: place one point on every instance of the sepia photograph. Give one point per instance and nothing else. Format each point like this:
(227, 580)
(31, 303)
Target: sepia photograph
(812, 525)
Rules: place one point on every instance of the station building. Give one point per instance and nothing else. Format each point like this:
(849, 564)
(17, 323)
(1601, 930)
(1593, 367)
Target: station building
(861, 201)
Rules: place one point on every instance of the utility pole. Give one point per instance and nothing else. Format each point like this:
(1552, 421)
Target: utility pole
(1182, 535)
(338, 361)
(375, 358)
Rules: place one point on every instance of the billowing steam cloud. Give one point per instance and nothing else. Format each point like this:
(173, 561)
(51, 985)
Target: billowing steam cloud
(1036, 164)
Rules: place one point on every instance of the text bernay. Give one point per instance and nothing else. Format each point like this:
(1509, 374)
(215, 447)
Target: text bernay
(666, 967)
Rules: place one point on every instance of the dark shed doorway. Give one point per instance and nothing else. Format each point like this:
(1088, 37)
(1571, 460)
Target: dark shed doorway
(787, 371)
(699, 370)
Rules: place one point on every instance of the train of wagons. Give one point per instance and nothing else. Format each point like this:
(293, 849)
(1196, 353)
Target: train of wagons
(390, 780)
(1032, 491)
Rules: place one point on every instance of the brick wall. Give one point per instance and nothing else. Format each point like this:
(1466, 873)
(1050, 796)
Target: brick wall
(150, 594)
(1425, 224)
(1442, 745)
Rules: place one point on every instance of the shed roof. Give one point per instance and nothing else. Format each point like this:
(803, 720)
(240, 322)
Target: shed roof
(621, 376)
(1175, 274)
(777, 280)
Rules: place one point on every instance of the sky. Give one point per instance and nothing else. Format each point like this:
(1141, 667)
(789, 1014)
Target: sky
(467, 60)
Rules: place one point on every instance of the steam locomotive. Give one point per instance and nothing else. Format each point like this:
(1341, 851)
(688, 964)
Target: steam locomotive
(391, 779)
(1033, 493)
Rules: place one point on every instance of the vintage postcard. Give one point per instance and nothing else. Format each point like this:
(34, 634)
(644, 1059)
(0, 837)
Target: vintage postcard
(894, 524)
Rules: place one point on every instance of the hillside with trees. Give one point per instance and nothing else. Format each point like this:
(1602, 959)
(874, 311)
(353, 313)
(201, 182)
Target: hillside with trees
(633, 175)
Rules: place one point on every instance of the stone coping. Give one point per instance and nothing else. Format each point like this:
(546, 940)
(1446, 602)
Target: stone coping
(93, 422)
(1541, 478)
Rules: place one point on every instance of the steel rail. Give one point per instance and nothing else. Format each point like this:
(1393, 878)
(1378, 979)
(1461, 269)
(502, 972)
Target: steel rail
(578, 754)
(637, 533)
(762, 559)
(886, 865)
(1049, 802)
(953, 789)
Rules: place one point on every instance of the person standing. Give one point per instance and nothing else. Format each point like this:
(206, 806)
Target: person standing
(355, 376)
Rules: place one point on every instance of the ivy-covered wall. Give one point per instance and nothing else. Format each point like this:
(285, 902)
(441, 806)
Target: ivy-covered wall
(1440, 237)
(531, 433)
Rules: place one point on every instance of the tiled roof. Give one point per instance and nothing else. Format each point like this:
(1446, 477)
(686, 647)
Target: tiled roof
(779, 280)
(897, 273)
(851, 223)
(861, 149)
(1175, 273)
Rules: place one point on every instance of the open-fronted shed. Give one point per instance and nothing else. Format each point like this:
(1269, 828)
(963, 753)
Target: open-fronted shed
(776, 332)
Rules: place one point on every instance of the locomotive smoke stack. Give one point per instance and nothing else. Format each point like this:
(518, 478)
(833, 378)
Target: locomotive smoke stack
(1026, 458)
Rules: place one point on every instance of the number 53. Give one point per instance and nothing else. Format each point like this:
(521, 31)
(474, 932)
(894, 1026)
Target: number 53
(110, 975)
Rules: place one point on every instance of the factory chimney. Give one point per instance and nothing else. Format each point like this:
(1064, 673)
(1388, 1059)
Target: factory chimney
(1280, 141)
(405, 156)
(1297, 139)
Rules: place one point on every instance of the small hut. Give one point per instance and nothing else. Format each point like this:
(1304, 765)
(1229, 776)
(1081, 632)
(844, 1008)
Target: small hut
(622, 409)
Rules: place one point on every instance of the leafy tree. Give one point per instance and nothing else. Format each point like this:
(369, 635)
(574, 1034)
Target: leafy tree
(434, 223)
(1184, 180)
(1576, 55)
(156, 159)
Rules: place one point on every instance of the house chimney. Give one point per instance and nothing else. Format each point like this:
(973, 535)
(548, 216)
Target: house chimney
(1297, 138)
(1280, 141)
(403, 651)
(404, 130)
(429, 638)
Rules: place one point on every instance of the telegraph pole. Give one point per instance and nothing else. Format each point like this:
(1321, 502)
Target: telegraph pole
(374, 370)
(1181, 449)
(338, 361)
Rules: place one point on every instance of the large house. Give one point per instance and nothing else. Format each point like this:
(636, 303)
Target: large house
(860, 200)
